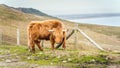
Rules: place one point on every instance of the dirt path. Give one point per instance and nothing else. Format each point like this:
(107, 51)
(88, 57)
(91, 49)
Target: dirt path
(20, 64)
(4, 64)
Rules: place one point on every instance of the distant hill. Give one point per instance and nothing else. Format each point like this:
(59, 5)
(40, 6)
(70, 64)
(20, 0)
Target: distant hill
(8, 13)
(31, 11)
(84, 16)
(28, 10)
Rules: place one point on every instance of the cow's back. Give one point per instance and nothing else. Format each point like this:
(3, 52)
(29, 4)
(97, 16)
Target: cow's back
(52, 23)
(40, 29)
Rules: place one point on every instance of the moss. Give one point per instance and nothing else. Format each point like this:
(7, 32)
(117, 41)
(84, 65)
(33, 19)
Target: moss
(49, 58)
(90, 59)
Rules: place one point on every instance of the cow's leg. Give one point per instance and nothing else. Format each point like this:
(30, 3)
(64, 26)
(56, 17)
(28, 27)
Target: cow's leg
(52, 43)
(32, 46)
(64, 44)
(38, 44)
(29, 45)
(64, 40)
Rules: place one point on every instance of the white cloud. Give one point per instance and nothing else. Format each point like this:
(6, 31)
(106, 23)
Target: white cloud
(68, 6)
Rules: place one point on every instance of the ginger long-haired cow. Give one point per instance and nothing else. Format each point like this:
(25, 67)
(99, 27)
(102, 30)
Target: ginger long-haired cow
(52, 30)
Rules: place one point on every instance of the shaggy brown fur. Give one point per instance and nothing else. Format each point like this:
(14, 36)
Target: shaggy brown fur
(39, 30)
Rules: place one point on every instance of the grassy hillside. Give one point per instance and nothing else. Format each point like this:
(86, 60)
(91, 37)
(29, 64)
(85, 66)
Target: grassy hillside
(107, 36)
(81, 54)
(107, 30)
(8, 13)
(11, 19)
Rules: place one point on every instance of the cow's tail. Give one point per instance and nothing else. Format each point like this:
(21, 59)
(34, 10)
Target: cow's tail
(29, 28)
(28, 35)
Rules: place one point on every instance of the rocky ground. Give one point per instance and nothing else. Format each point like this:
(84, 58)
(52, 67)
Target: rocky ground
(19, 57)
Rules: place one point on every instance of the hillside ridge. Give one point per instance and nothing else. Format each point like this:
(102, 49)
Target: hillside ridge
(10, 19)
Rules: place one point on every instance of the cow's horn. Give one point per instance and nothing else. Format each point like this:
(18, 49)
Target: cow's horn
(64, 30)
(50, 30)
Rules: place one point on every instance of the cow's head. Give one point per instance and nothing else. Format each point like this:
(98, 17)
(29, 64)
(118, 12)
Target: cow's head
(58, 34)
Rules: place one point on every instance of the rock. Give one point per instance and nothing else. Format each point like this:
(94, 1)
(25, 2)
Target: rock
(51, 63)
(69, 59)
(41, 53)
(93, 60)
(110, 57)
(8, 61)
(17, 56)
(3, 59)
(28, 58)
(14, 60)
(58, 56)
(64, 61)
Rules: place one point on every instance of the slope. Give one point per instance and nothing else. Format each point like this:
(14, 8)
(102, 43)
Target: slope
(11, 19)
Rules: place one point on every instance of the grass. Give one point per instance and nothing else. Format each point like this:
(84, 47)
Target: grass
(11, 19)
(86, 57)
(107, 30)
(48, 57)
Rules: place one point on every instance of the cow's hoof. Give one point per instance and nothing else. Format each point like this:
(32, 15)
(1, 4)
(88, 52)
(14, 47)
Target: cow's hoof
(41, 49)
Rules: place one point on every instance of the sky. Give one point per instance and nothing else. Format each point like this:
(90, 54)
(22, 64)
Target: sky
(61, 7)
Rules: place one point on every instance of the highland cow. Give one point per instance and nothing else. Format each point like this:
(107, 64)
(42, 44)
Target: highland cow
(52, 30)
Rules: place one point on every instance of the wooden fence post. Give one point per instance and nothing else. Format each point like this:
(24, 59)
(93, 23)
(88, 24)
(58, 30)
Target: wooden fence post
(0, 36)
(76, 35)
(90, 39)
(18, 37)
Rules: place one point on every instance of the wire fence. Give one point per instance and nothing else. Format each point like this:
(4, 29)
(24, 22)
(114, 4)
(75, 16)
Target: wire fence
(16, 36)
(13, 36)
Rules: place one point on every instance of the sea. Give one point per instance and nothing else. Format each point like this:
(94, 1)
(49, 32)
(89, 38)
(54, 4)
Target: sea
(108, 20)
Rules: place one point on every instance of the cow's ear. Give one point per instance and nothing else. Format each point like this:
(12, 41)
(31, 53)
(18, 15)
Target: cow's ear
(51, 30)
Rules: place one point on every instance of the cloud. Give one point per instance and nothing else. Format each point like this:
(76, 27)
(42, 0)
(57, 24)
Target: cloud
(68, 6)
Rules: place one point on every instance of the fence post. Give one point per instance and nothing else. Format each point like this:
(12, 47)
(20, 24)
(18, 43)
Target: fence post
(76, 39)
(18, 37)
(90, 39)
(0, 36)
